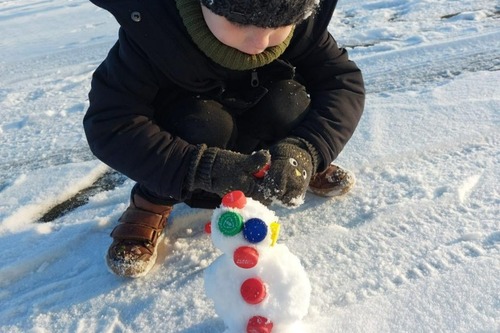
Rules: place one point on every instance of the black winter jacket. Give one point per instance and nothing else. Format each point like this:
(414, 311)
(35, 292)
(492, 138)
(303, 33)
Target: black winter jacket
(155, 62)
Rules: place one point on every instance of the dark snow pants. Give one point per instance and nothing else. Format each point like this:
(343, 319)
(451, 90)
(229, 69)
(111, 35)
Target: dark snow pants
(230, 126)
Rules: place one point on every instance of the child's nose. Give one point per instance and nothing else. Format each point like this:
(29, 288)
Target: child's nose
(259, 42)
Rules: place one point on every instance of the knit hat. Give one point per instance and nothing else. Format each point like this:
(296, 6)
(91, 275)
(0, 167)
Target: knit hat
(263, 13)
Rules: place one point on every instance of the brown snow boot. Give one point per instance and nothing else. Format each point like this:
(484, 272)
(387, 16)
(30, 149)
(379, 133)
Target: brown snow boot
(135, 240)
(331, 182)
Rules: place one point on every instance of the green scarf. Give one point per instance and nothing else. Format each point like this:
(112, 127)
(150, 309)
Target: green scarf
(226, 56)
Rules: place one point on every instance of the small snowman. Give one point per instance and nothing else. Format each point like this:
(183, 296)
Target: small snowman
(257, 285)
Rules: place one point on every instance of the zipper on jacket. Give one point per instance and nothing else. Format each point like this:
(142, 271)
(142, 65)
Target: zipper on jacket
(254, 80)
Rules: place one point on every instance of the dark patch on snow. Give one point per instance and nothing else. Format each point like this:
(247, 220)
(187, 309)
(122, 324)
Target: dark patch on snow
(106, 182)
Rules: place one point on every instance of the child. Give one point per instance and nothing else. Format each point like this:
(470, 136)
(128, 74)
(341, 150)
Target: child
(196, 97)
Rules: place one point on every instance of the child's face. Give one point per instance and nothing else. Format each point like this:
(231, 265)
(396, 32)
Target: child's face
(248, 39)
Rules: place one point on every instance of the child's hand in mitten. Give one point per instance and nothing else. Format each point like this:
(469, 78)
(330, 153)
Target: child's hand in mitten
(221, 171)
(288, 177)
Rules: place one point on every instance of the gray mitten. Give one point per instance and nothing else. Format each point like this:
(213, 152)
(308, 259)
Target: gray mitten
(221, 171)
(292, 163)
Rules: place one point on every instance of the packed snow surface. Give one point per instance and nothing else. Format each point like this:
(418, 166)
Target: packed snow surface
(415, 247)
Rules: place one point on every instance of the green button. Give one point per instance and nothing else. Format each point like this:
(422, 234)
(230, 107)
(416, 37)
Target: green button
(230, 223)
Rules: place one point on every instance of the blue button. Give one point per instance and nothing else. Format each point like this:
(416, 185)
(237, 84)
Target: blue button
(254, 230)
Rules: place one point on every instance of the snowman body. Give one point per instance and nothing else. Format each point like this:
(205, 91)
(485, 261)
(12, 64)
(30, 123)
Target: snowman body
(257, 285)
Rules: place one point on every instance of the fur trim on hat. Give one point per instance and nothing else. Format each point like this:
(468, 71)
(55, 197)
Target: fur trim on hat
(263, 13)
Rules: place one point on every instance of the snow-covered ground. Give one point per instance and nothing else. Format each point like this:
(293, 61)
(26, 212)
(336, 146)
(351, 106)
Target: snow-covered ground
(414, 248)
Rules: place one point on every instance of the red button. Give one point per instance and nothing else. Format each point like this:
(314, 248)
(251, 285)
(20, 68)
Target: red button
(253, 291)
(262, 172)
(208, 227)
(234, 199)
(246, 257)
(259, 324)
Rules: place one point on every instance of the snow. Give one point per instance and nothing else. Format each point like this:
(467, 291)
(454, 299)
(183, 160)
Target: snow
(415, 247)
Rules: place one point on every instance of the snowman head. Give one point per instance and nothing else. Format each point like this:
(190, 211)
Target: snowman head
(243, 222)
